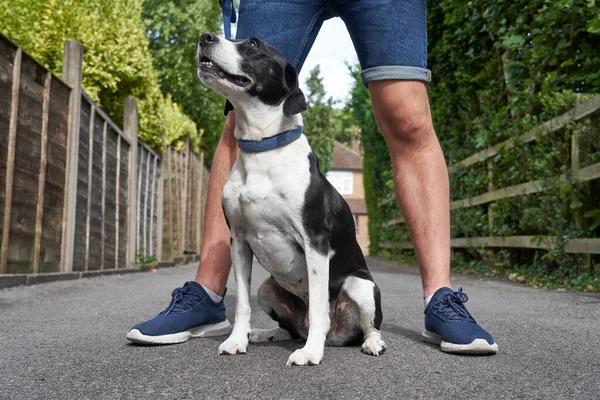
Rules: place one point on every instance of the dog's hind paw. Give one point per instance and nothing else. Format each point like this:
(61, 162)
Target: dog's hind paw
(374, 346)
(269, 335)
(233, 346)
(305, 356)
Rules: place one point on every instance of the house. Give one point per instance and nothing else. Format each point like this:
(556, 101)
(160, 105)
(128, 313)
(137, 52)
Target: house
(347, 177)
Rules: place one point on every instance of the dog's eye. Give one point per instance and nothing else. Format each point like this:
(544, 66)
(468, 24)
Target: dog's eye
(252, 43)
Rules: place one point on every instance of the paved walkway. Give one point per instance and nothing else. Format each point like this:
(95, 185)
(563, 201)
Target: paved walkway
(66, 340)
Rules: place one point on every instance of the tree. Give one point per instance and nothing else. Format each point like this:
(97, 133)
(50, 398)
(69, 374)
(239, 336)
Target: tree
(344, 125)
(116, 60)
(317, 120)
(173, 28)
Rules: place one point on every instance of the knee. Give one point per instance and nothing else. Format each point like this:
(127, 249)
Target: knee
(406, 125)
(403, 115)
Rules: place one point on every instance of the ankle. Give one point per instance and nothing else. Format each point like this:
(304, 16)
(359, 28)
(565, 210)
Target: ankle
(214, 287)
(213, 296)
(429, 290)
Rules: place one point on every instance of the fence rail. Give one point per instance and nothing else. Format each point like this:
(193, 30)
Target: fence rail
(592, 172)
(78, 192)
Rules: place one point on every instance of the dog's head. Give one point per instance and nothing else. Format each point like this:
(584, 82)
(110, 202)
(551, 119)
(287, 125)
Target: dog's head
(243, 69)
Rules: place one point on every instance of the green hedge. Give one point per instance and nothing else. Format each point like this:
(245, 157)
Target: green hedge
(500, 68)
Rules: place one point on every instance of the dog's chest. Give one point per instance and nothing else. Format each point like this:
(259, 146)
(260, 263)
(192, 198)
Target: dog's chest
(263, 201)
(265, 195)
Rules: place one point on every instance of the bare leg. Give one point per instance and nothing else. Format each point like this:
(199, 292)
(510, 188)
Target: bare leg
(215, 258)
(402, 112)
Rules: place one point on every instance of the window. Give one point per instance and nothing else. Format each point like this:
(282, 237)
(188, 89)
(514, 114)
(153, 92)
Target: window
(342, 181)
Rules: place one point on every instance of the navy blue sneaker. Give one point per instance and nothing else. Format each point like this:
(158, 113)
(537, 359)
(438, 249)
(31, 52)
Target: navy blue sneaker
(192, 313)
(448, 323)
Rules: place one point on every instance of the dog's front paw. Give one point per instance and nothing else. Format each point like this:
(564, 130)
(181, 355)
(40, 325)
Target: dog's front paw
(373, 345)
(305, 356)
(234, 345)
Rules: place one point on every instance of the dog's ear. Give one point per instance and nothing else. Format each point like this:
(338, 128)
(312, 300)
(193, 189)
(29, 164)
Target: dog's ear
(228, 107)
(294, 101)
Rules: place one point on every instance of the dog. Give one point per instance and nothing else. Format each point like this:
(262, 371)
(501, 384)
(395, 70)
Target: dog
(281, 209)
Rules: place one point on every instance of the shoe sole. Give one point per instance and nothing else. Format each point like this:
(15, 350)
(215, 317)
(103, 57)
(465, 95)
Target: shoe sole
(478, 346)
(218, 329)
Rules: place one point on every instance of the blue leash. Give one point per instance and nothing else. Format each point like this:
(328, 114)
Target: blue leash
(229, 16)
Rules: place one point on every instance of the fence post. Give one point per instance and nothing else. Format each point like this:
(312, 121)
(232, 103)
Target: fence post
(185, 191)
(103, 199)
(170, 163)
(144, 204)
(39, 217)
(490, 212)
(130, 129)
(198, 205)
(160, 207)
(578, 155)
(72, 67)
(153, 206)
(10, 158)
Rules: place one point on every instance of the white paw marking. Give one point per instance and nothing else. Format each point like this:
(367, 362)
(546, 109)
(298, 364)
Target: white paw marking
(373, 345)
(234, 345)
(305, 356)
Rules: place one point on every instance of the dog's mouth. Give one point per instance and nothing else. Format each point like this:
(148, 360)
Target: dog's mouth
(206, 64)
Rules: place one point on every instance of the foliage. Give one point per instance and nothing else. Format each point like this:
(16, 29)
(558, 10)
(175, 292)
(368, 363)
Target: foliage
(500, 68)
(173, 29)
(116, 60)
(317, 120)
(178, 126)
(142, 258)
(343, 125)
(376, 162)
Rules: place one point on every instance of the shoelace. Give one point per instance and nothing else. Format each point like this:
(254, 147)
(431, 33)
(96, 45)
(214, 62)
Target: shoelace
(181, 299)
(452, 306)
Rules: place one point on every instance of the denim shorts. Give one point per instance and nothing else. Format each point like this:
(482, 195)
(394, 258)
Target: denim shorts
(390, 36)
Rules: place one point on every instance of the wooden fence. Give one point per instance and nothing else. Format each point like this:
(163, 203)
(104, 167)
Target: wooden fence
(185, 182)
(80, 193)
(581, 246)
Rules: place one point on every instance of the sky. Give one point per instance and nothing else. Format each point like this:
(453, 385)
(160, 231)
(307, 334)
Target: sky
(331, 51)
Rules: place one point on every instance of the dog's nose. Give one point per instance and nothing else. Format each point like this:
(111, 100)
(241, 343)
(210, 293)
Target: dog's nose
(208, 38)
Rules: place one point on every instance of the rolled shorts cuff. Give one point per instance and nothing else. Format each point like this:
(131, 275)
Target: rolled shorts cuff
(395, 72)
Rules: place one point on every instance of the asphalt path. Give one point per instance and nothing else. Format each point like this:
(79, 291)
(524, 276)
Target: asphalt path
(66, 340)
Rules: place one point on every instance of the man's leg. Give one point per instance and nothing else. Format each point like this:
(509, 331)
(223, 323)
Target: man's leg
(394, 68)
(215, 259)
(183, 318)
(402, 112)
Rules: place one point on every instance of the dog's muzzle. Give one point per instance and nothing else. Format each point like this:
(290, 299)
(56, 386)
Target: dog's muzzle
(209, 66)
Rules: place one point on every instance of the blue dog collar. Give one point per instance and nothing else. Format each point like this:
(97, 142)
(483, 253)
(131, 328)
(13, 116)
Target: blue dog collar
(270, 143)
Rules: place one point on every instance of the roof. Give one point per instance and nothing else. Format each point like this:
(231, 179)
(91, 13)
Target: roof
(357, 206)
(345, 158)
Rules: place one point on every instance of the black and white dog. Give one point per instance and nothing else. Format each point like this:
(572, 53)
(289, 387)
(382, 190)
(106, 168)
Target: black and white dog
(280, 208)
